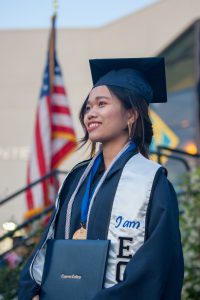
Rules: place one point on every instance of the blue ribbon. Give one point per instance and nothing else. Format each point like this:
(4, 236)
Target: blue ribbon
(88, 196)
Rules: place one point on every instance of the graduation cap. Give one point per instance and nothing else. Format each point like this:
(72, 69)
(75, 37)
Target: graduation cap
(146, 76)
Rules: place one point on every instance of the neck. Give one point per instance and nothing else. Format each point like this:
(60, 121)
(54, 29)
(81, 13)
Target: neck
(111, 149)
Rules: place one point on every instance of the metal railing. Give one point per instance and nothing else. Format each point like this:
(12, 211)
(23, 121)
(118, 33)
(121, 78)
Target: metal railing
(31, 220)
(54, 173)
(174, 157)
(160, 150)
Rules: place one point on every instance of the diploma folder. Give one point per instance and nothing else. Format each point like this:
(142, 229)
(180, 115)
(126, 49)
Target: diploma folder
(74, 269)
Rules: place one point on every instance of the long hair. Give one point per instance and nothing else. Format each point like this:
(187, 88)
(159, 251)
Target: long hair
(142, 131)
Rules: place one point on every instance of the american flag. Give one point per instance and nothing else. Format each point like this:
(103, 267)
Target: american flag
(54, 136)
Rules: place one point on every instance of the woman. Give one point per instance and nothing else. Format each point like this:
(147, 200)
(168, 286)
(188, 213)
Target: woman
(120, 194)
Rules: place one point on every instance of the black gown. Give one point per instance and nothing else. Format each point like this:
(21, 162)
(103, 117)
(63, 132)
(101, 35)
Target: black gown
(155, 272)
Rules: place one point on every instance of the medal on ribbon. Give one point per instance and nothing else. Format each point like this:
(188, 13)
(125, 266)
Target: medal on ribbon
(81, 233)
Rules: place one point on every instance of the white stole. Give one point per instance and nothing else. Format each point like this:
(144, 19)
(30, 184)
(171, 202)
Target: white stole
(127, 223)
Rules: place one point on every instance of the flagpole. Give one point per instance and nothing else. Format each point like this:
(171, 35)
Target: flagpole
(52, 45)
(52, 53)
(55, 6)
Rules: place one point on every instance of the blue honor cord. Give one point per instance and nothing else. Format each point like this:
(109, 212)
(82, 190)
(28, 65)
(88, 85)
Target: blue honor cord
(87, 197)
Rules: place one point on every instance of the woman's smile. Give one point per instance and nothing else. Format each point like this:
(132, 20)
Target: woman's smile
(92, 126)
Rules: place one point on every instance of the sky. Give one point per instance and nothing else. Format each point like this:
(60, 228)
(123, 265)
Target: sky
(26, 14)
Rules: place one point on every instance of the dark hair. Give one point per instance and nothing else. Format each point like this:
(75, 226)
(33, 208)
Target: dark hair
(142, 131)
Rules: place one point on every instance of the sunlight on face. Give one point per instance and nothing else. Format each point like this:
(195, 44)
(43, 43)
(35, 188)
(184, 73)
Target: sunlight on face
(105, 117)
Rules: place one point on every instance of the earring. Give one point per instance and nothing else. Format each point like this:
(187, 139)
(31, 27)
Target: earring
(130, 130)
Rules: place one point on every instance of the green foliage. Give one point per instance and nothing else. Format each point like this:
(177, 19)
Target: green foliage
(190, 231)
(9, 279)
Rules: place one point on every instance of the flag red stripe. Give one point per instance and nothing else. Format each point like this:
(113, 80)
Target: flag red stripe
(67, 148)
(59, 90)
(61, 109)
(63, 129)
(41, 159)
(29, 194)
(39, 147)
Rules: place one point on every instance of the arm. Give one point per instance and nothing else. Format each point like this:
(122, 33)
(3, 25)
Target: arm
(28, 288)
(156, 270)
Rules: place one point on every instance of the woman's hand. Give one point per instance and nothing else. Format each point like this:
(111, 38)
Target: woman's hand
(36, 297)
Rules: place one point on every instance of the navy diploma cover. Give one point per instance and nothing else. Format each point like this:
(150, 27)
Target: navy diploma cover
(74, 269)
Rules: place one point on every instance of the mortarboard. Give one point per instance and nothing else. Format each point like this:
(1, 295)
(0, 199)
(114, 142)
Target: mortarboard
(145, 76)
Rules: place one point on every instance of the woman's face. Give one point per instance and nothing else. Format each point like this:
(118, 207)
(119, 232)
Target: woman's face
(105, 118)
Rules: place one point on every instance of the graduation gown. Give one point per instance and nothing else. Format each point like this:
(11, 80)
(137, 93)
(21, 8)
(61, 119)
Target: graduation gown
(156, 270)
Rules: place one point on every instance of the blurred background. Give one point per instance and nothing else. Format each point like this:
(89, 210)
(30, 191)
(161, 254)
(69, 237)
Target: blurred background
(47, 59)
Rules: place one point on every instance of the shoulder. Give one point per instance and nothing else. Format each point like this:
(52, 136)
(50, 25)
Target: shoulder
(161, 185)
(73, 176)
(81, 166)
(163, 193)
(78, 168)
(146, 170)
(143, 165)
